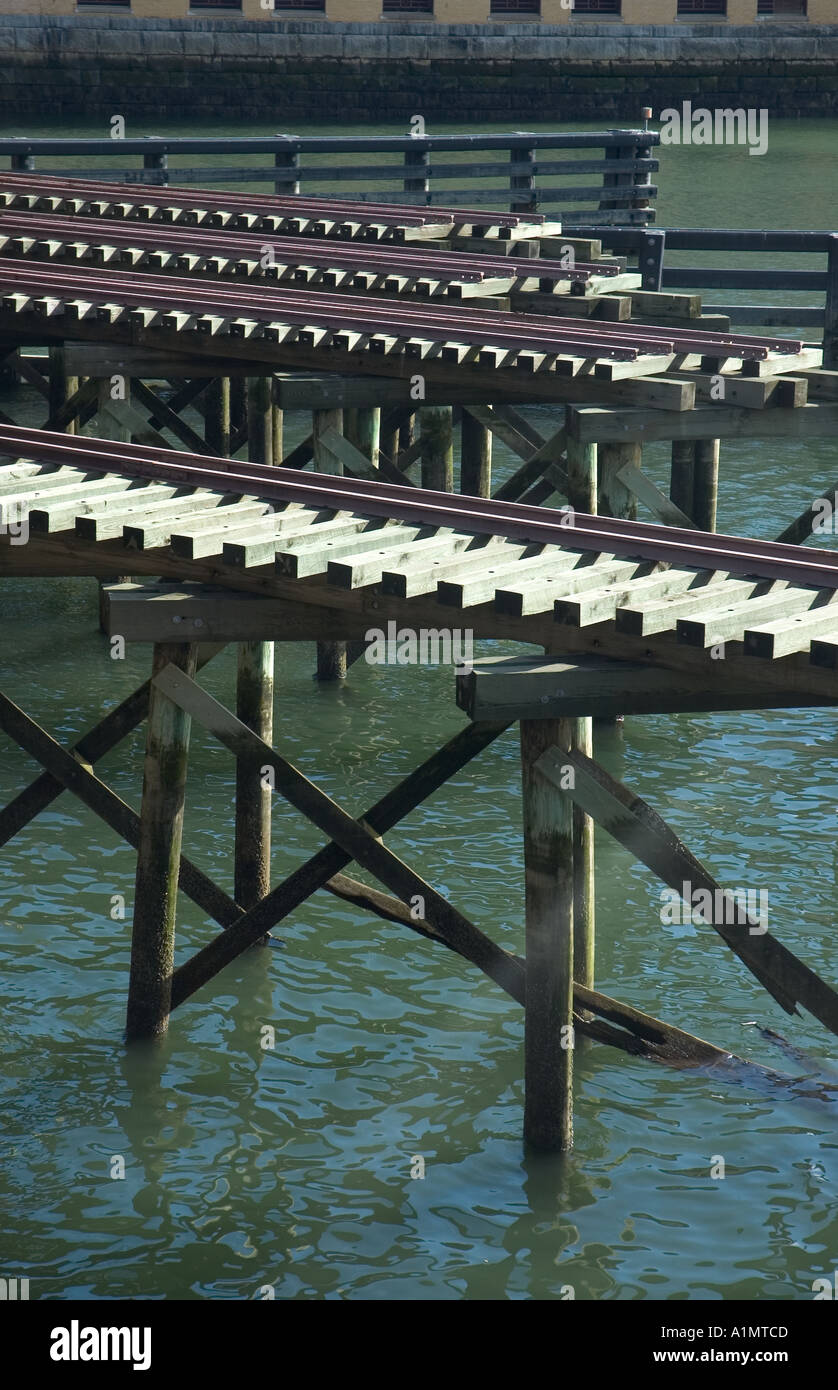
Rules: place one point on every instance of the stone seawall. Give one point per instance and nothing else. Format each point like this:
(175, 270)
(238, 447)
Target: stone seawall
(83, 67)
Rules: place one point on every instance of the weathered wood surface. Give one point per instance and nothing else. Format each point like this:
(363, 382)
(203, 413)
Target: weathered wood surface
(549, 880)
(646, 835)
(158, 853)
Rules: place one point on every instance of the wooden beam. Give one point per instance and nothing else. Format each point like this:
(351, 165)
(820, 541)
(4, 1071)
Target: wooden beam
(644, 489)
(551, 687)
(386, 813)
(90, 748)
(641, 830)
(598, 424)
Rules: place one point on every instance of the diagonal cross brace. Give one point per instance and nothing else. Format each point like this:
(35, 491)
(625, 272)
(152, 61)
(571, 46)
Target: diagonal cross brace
(71, 773)
(92, 746)
(353, 839)
(642, 831)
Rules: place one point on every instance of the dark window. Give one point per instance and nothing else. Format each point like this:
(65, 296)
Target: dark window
(702, 7)
(126, 4)
(597, 6)
(782, 7)
(417, 6)
(215, 4)
(516, 7)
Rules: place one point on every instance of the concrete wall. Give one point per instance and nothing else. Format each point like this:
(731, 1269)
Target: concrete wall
(286, 71)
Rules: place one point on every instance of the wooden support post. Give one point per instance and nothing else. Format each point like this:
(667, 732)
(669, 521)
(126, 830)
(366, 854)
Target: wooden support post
(706, 484)
(389, 440)
(582, 476)
(615, 499)
(259, 420)
(254, 706)
(277, 424)
(158, 857)
(475, 458)
(582, 472)
(238, 405)
(61, 386)
(407, 432)
(254, 697)
(584, 873)
(331, 656)
(362, 427)
(217, 418)
(437, 448)
(548, 1025)
(111, 427)
(682, 476)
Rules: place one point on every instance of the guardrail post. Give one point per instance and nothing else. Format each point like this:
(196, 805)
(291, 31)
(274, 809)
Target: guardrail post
(830, 323)
(287, 160)
(25, 163)
(522, 176)
(157, 160)
(417, 171)
(650, 258)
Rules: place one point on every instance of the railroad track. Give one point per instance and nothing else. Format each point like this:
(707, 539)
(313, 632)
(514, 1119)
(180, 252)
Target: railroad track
(292, 215)
(505, 567)
(453, 333)
(329, 265)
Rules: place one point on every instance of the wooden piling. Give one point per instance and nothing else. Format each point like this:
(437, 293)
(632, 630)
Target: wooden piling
(259, 420)
(61, 386)
(615, 499)
(254, 707)
(217, 417)
(362, 427)
(158, 857)
(437, 448)
(682, 476)
(277, 424)
(475, 458)
(331, 656)
(254, 696)
(582, 473)
(548, 1024)
(706, 484)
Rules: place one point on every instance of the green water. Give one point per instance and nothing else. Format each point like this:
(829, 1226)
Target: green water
(291, 1167)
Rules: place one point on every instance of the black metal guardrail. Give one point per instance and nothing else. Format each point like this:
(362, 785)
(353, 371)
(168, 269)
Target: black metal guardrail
(405, 168)
(650, 246)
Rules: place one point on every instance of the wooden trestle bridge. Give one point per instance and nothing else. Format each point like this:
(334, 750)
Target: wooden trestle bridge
(379, 320)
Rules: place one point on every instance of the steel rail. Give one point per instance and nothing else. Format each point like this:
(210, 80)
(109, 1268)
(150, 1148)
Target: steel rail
(332, 313)
(673, 545)
(404, 319)
(399, 214)
(44, 226)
